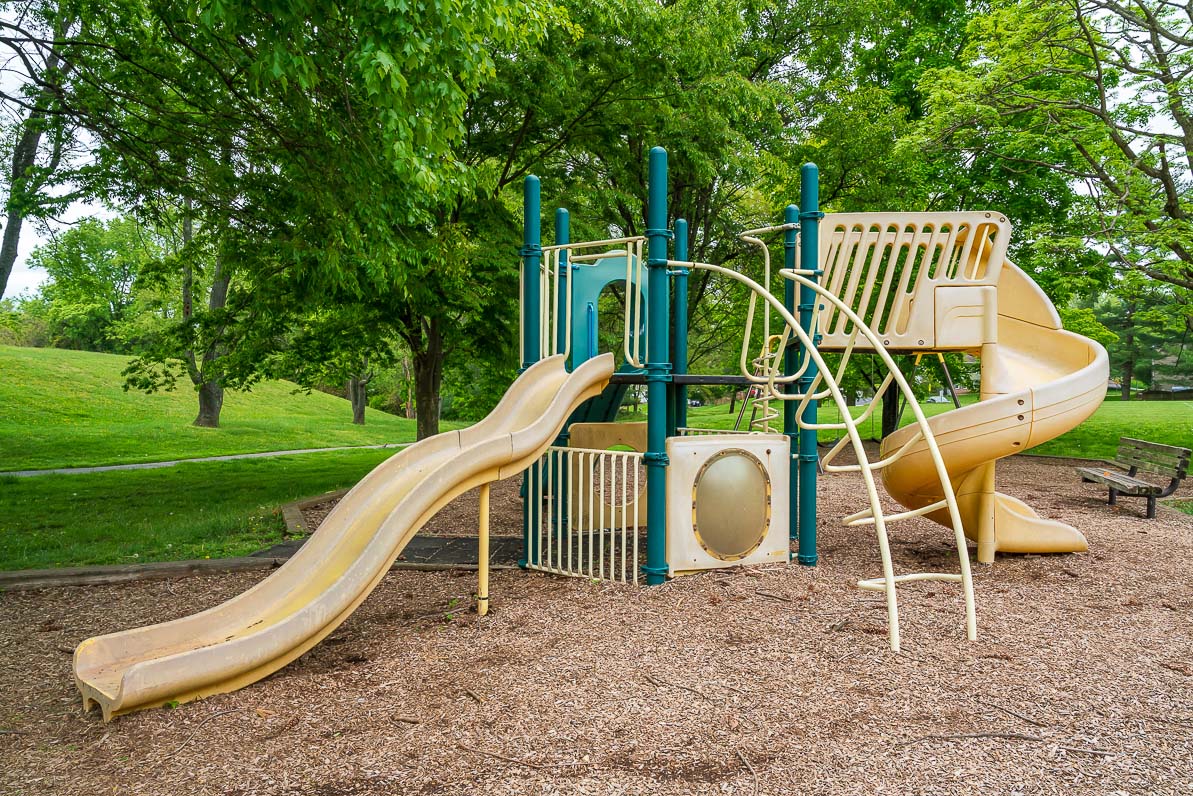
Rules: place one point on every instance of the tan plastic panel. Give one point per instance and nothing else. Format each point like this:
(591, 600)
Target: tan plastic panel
(906, 274)
(1038, 381)
(605, 436)
(686, 552)
(256, 633)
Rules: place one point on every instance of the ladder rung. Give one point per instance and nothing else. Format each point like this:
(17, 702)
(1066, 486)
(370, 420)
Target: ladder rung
(866, 516)
(879, 584)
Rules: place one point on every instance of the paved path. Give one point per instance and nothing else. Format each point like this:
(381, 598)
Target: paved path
(172, 463)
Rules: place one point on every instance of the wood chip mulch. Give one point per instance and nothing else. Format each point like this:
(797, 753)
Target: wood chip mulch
(773, 680)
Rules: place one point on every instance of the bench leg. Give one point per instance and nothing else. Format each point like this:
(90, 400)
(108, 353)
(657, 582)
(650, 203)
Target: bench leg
(1113, 499)
(1151, 507)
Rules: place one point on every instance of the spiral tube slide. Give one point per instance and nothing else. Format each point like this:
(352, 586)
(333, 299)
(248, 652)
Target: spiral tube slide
(258, 632)
(1038, 381)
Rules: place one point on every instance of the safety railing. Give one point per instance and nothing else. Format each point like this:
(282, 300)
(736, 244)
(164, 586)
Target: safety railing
(584, 513)
(555, 322)
(887, 267)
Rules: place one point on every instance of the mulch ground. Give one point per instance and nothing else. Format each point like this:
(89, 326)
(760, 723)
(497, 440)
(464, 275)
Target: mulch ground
(770, 680)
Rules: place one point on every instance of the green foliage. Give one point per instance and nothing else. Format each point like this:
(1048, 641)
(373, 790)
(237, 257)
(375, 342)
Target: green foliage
(1084, 321)
(93, 269)
(1081, 92)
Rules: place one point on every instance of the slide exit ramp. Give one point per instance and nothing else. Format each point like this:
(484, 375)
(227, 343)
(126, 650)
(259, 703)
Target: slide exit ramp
(942, 282)
(258, 632)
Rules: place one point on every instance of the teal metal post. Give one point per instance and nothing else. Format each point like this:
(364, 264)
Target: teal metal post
(680, 317)
(532, 253)
(657, 369)
(791, 366)
(809, 257)
(558, 464)
(563, 234)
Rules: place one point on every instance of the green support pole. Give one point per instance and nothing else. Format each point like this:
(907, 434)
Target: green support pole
(532, 253)
(657, 369)
(790, 366)
(563, 234)
(680, 318)
(558, 466)
(809, 257)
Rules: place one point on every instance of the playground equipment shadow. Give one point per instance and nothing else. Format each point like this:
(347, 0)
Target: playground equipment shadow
(770, 680)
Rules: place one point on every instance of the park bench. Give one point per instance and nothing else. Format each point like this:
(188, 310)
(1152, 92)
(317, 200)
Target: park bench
(1167, 461)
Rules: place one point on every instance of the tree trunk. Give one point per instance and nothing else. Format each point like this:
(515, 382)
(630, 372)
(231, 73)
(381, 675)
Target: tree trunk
(211, 401)
(211, 392)
(1128, 377)
(428, 378)
(890, 410)
(406, 376)
(358, 391)
(1129, 347)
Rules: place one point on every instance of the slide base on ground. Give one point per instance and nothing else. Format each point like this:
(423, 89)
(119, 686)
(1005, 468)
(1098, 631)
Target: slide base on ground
(258, 632)
(1038, 381)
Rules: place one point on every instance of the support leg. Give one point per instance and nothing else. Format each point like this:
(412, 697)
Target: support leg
(1113, 499)
(482, 555)
(1151, 507)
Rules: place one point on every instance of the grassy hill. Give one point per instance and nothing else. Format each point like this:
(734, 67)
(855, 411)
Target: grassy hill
(67, 409)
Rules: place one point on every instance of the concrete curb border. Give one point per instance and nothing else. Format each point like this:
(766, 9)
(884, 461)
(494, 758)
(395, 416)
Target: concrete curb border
(106, 575)
(292, 512)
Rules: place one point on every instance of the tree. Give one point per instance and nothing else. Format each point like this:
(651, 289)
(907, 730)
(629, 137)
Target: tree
(304, 140)
(1094, 91)
(92, 269)
(1150, 323)
(38, 139)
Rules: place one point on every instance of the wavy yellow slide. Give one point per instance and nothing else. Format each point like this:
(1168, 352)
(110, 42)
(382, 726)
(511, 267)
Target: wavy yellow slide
(1038, 381)
(258, 632)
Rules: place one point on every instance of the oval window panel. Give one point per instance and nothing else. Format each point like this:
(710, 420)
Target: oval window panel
(731, 504)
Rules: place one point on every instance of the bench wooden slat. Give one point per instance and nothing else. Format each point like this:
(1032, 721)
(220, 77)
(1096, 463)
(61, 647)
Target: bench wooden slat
(1162, 457)
(1173, 468)
(1122, 483)
(1140, 443)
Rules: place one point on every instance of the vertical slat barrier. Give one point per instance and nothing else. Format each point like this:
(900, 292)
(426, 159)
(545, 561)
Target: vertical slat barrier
(588, 523)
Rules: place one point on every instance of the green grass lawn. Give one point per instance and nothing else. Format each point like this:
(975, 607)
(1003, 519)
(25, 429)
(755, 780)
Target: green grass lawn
(67, 409)
(1167, 422)
(194, 510)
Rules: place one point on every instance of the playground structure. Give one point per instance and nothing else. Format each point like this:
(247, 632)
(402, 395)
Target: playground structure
(669, 498)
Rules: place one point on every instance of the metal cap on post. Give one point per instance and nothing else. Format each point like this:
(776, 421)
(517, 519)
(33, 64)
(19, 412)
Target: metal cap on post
(657, 368)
